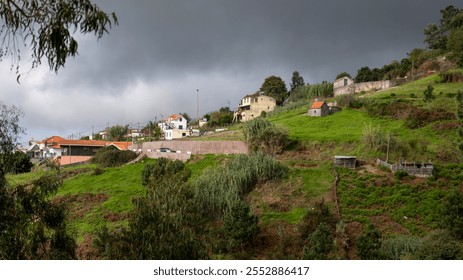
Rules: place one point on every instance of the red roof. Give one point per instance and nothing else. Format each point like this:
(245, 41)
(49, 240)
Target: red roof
(317, 105)
(120, 145)
(57, 142)
(53, 139)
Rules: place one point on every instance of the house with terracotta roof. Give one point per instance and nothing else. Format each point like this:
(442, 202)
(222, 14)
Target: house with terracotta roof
(175, 127)
(319, 109)
(72, 151)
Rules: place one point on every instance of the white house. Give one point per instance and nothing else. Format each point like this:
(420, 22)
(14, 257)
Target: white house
(175, 127)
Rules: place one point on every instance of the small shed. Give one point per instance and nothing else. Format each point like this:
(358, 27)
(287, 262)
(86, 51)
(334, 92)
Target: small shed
(319, 109)
(345, 161)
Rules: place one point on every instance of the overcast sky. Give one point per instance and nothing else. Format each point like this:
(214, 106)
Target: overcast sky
(163, 51)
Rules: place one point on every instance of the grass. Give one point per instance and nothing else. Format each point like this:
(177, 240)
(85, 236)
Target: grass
(417, 87)
(116, 187)
(344, 126)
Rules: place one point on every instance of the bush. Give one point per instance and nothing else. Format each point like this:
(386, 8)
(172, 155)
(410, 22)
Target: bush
(368, 243)
(427, 93)
(239, 224)
(439, 245)
(399, 247)
(452, 218)
(262, 135)
(16, 163)
(320, 243)
(163, 169)
(400, 174)
(112, 157)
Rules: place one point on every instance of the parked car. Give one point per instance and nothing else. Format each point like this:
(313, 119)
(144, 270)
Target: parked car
(166, 150)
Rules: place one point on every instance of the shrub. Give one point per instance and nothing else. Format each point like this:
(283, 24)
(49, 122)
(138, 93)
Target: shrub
(452, 218)
(399, 247)
(320, 243)
(320, 213)
(439, 245)
(163, 169)
(16, 163)
(368, 243)
(112, 157)
(427, 93)
(262, 135)
(239, 224)
(162, 225)
(400, 174)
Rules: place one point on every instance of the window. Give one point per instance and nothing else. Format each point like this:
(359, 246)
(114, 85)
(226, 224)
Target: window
(345, 82)
(180, 119)
(180, 127)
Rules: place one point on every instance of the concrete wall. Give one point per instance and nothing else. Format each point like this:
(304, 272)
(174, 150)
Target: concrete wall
(367, 86)
(184, 149)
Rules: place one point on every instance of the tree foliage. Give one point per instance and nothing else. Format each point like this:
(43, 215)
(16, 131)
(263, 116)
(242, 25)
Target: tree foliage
(118, 132)
(224, 116)
(275, 87)
(427, 93)
(296, 81)
(321, 242)
(452, 218)
(240, 224)
(112, 157)
(343, 74)
(152, 130)
(369, 243)
(47, 28)
(16, 163)
(439, 245)
(163, 223)
(31, 226)
(447, 36)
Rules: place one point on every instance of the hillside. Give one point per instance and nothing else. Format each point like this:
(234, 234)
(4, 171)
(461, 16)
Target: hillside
(289, 210)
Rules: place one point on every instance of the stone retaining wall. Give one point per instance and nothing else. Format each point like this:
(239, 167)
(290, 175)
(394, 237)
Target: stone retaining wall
(184, 149)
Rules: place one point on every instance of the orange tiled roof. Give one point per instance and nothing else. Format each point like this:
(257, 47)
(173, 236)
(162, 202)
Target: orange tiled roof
(175, 116)
(53, 139)
(317, 105)
(120, 145)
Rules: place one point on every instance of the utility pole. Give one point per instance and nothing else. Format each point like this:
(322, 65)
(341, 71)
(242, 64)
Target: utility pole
(197, 105)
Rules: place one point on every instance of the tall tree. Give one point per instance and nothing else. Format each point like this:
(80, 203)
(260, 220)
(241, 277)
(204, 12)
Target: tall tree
(31, 227)
(118, 132)
(437, 36)
(275, 87)
(47, 28)
(296, 81)
(364, 74)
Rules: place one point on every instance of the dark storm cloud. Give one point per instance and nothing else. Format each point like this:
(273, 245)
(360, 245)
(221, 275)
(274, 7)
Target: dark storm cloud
(167, 39)
(162, 51)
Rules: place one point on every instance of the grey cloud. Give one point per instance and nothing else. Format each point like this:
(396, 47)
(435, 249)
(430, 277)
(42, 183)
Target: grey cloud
(163, 50)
